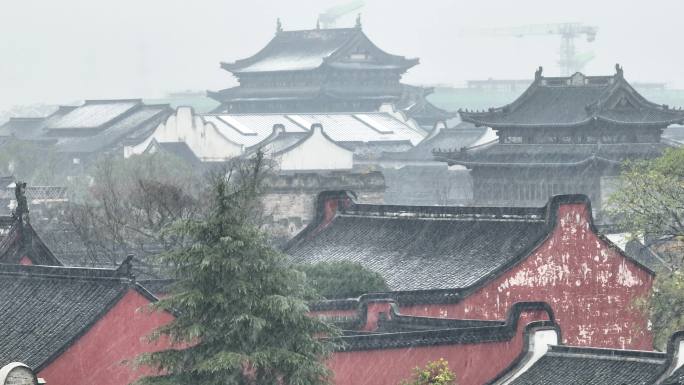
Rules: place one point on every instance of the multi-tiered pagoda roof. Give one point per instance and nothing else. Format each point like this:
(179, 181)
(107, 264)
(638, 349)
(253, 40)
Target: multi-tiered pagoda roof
(336, 70)
(311, 49)
(562, 135)
(575, 101)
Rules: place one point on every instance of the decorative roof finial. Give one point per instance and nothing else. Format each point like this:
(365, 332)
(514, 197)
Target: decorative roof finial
(21, 211)
(279, 26)
(618, 70)
(538, 73)
(318, 23)
(358, 21)
(126, 267)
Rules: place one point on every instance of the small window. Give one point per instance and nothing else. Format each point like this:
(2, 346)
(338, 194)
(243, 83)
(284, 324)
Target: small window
(77, 161)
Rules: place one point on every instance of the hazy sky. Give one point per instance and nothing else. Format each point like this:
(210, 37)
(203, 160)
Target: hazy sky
(59, 51)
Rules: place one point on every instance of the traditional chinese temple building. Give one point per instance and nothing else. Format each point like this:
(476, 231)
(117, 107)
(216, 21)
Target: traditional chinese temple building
(324, 70)
(563, 135)
(477, 262)
(76, 326)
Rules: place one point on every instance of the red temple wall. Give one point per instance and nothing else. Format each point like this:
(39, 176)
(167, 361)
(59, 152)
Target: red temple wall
(590, 286)
(98, 356)
(473, 364)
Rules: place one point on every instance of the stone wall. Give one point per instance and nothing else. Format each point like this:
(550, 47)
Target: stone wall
(289, 204)
(428, 186)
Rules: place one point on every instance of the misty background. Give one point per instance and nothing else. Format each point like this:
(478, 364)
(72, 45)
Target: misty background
(68, 50)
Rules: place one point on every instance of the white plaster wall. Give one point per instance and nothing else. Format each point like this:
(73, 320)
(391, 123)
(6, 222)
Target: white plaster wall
(316, 153)
(539, 345)
(202, 137)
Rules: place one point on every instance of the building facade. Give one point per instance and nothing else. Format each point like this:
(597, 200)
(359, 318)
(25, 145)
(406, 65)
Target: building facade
(324, 70)
(77, 326)
(563, 135)
(476, 262)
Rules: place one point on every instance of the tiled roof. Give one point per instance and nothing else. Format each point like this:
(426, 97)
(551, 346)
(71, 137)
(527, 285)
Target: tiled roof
(674, 134)
(676, 378)
(310, 49)
(403, 323)
(424, 248)
(551, 154)
(278, 141)
(636, 250)
(45, 309)
(427, 254)
(93, 114)
(570, 365)
(178, 149)
(18, 240)
(445, 332)
(94, 126)
(143, 119)
(463, 135)
(576, 100)
(34, 128)
(252, 129)
(384, 93)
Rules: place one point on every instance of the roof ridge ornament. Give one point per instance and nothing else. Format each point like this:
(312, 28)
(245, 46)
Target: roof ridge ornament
(279, 26)
(538, 73)
(358, 21)
(619, 72)
(126, 267)
(21, 212)
(318, 23)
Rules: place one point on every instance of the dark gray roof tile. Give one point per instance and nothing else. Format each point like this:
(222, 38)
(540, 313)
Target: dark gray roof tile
(569, 365)
(44, 309)
(575, 100)
(424, 248)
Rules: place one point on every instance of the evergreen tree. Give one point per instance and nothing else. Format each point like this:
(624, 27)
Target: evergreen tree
(343, 279)
(241, 313)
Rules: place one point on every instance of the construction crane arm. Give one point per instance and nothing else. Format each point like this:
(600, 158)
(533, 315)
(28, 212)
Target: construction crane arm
(563, 29)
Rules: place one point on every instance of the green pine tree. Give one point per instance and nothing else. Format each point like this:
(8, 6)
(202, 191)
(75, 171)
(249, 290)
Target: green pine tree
(241, 312)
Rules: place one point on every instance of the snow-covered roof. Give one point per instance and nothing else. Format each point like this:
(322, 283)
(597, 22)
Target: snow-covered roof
(251, 129)
(94, 113)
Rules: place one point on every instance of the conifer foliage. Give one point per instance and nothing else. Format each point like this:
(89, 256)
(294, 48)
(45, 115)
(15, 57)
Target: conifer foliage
(241, 313)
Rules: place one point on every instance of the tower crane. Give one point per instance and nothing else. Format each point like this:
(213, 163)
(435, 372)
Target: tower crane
(570, 60)
(329, 18)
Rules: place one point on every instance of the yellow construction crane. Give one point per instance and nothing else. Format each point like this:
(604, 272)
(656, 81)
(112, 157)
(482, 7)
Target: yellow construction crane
(570, 60)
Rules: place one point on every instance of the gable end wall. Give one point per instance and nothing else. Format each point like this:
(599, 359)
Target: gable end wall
(98, 356)
(590, 286)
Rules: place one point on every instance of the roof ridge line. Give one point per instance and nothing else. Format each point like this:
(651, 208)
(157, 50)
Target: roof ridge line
(606, 353)
(444, 212)
(97, 101)
(67, 272)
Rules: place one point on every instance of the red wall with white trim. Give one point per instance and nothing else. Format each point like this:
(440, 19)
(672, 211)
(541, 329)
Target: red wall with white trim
(590, 286)
(473, 364)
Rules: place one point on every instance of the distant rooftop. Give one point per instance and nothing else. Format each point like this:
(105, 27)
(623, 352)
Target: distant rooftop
(94, 126)
(577, 100)
(310, 49)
